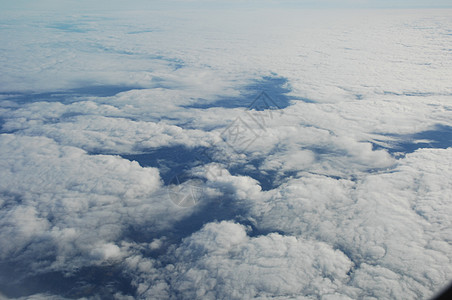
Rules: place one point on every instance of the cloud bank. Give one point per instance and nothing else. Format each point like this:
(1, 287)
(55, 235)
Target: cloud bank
(343, 192)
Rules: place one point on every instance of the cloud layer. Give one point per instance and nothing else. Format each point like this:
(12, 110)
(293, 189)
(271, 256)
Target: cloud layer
(318, 199)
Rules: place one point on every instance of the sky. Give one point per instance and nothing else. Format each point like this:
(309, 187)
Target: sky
(235, 154)
(67, 5)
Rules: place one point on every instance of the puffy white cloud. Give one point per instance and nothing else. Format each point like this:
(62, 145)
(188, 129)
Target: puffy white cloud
(222, 261)
(59, 201)
(383, 219)
(98, 128)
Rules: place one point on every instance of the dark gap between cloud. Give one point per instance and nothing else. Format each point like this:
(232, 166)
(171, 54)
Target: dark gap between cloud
(275, 87)
(439, 137)
(102, 281)
(70, 95)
